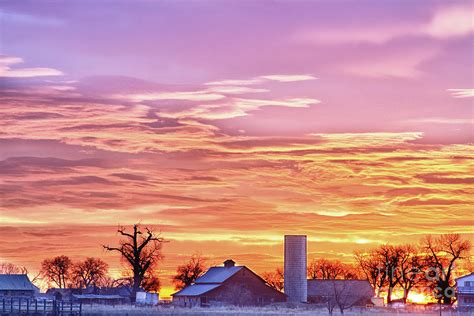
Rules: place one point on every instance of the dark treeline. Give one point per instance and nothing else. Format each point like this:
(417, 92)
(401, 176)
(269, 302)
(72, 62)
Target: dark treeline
(428, 266)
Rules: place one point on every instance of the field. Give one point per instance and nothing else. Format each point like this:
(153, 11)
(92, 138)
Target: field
(126, 310)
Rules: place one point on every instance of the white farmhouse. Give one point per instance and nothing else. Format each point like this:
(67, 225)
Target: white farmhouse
(465, 291)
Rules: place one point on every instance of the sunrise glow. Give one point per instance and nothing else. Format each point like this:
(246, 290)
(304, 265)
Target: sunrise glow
(227, 127)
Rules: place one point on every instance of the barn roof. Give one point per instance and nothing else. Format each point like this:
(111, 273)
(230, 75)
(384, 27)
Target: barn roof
(19, 282)
(218, 274)
(196, 289)
(320, 287)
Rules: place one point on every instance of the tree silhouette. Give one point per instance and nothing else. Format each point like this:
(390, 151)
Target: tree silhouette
(369, 263)
(442, 254)
(90, 272)
(187, 273)
(57, 270)
(389, 258)
(411, 269)
(141, 250)
(10, 268)
(326, 269)
(151, 282)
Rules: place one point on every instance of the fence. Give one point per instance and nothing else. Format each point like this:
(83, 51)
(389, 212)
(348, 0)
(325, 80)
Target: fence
(39, 307)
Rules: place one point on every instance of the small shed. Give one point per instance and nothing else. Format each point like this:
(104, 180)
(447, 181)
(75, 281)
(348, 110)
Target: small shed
(16, 285)
(62, 294)
(100, 299)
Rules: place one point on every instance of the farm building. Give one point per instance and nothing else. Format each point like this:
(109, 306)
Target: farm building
(340, 292)
(465, 291)
(92, 295)
(62, 294)
(228, 285)
(100, 299)
(16, 285)
(124, 291)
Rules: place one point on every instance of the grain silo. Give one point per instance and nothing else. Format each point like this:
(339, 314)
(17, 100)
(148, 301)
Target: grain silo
(296, 284)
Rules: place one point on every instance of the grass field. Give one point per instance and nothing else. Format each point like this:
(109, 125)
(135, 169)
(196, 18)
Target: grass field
(127, 310)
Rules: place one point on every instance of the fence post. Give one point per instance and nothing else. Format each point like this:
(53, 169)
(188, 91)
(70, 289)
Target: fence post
(19, 306)
(27, 306)
(44, 307)
(3, 305)
(36, 306)
(62, 308)
(70, 307)
(80, 308)
(11, 305)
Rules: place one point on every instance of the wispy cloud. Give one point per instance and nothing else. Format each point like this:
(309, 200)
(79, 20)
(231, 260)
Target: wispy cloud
(235, 82)
(252, 104)
(263, 79)
(462, 93)
(182, 96)
(11, 17)
(451, 21)
(236, 89)
(392, 64)
(288, 78)
(441, 120)
(6, 69)
(446, 22)
(236, 107)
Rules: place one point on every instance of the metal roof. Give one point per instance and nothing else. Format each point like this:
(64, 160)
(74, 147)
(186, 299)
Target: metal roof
(196, 289)
(465, 276)
(217, 274)
(18, 282)
(97, 296)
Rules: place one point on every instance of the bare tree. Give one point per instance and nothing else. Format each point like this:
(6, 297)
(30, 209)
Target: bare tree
(141, 250)
(10, 268)
(390, 257)
(57, 270)
(411, 269)
(90, 272)
(346, 294)
(343, 294)
(325, 269)
(274, 279)
(187, 273)
(151, 282)
(352, 272)
(369, 263)
(441, 255)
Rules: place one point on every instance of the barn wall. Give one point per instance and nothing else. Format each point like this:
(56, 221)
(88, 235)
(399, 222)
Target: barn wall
(245, 288)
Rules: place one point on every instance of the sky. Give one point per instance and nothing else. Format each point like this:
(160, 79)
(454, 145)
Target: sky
(226, 125)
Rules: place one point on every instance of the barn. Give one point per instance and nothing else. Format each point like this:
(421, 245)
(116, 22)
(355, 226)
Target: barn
(228, 285)
(16, 285)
